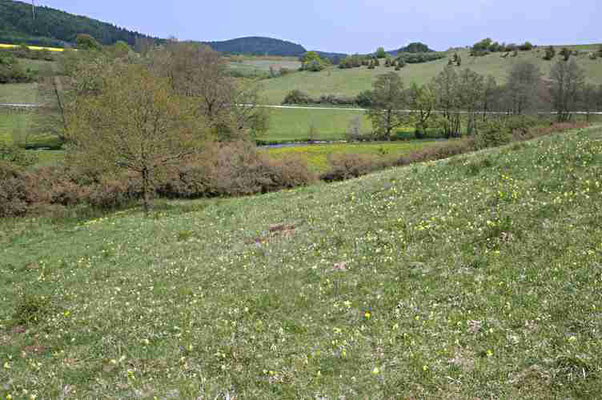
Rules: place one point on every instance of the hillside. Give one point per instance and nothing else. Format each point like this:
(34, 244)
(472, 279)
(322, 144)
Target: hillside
(350, 82)
(53, 27)
(476, 277)
(258, 46)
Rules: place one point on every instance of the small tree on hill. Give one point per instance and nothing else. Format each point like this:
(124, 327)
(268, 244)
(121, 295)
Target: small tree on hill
(87, 42)
(311, 61)
(388, 101)
(550, 53)
(381, 53)
(527, 46)
(566, 53)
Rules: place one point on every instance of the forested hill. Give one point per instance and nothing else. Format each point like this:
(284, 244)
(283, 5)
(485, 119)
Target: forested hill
(415, 47)
(52, 27)
(259, 46)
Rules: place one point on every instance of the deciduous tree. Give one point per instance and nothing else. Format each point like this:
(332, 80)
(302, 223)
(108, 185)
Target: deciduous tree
(388, 101)
(136, 123)
(422, 103)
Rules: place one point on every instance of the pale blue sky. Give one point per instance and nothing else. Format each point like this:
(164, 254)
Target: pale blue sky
(355, 25)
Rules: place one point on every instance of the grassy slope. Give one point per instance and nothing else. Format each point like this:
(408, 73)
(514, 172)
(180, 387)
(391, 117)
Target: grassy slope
(350, 82)
(249, 65)
(476, 277)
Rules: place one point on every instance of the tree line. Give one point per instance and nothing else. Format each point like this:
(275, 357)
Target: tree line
(51, 27)
(457, 101)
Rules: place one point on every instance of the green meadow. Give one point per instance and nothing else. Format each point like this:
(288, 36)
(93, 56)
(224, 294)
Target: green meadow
(317, 124)
(474, 277)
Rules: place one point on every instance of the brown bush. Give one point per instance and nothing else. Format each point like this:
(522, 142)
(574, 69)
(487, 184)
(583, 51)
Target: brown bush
(112, 194)
(233, 169)
(347, 166)
(449, 149)
(242, 170)
(13, 191)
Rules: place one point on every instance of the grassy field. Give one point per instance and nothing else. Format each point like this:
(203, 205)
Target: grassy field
(19, 93)
(13, 125)
(14, 46)
(254, 65)
(349, 82)
(27, 128)
(476, 277)
(318, 156)
(295, 124)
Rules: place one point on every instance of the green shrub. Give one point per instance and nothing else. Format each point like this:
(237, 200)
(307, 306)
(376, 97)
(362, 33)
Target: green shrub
(417, 58)
(87, 42)
(527, 46)
(550, 53)
(18, 156)
(11, 71)
(31, 309)
(494, 133)
(566, 53)
(297, 97)
(364, 99)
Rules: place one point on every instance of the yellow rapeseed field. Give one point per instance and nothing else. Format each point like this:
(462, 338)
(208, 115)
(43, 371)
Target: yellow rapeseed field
(13, 46)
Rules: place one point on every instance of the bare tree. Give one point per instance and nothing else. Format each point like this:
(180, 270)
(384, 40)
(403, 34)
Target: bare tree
(523, 81)
(491, 94)
(567, 79)
(198, 72)
(471, 87)
(354, 129)
(446, 88)
(588, 100)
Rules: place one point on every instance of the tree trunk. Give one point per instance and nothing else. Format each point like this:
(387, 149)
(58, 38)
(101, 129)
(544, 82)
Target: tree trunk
(146, 186)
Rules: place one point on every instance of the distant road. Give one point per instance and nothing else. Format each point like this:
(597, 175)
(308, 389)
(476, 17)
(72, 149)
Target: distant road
(310, 107)
(31, 105)
(406, 111)
(19, 105)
